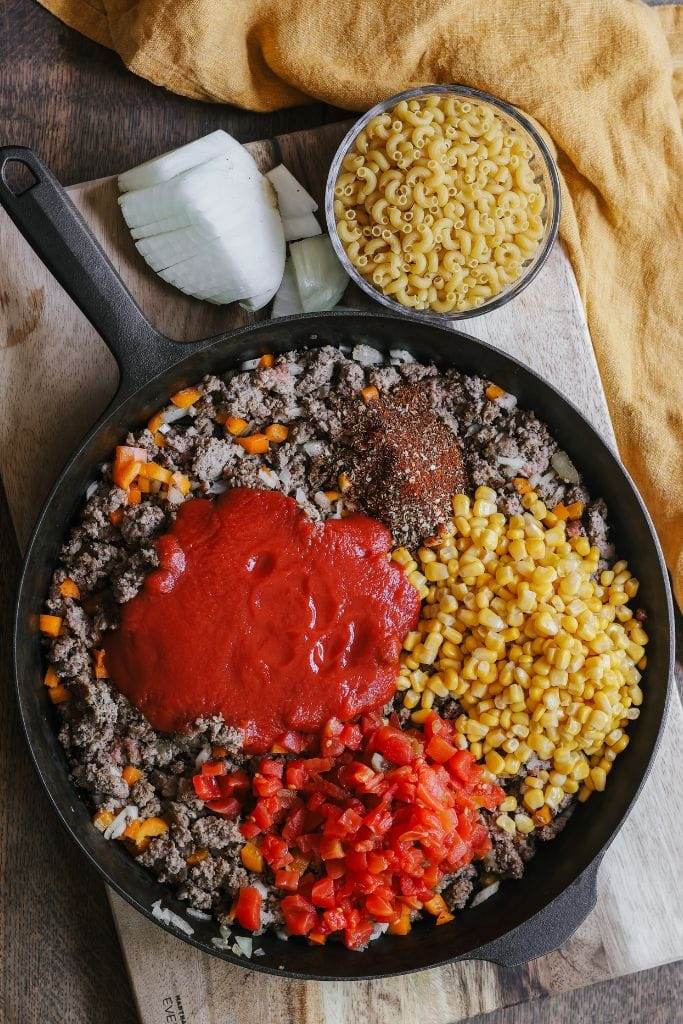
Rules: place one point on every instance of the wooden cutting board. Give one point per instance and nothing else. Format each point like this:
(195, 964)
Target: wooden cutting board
(56, 376)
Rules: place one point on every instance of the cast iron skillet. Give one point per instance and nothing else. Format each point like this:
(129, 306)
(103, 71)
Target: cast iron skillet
(524, 919)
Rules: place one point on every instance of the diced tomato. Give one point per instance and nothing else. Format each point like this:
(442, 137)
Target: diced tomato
(330, 848)
(358, 936)
(287, 879)
(488, 795)
(248, 908)
(265, 785)
(233, 781)
(273, 769)
(331, 746)
(393, 744)
(380, 908)
(463, 766)
(335, 868)
(249, 829)
(376, 863)
(275, 852)
(322, 893)
(440, 749)
(335, 919)
(214, 768)
(295, 824)
(228, 807)
(294, 742)
(300, 916)
(206, 787)
(352, 737)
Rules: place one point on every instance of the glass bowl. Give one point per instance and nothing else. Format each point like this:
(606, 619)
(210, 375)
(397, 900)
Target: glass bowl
(544, 170)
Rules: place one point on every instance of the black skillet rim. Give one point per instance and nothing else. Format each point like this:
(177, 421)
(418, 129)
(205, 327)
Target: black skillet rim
(253, 964)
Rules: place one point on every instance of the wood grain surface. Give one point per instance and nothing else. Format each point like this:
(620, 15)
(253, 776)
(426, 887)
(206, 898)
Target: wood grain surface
(86, 116)
(55, 351)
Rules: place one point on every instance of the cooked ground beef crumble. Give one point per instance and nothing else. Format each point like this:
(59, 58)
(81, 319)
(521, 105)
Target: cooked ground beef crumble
(316, 394)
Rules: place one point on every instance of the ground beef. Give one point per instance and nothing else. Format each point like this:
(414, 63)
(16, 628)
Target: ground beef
(508, 853)
(110, 550)
(458, 890)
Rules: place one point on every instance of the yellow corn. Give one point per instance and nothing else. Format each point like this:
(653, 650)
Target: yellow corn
(542, 656)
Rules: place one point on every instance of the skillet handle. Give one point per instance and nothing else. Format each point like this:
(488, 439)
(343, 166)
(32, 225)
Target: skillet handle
(55, 230)
(549, 929)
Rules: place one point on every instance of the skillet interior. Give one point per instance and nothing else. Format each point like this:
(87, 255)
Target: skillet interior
(559, 864)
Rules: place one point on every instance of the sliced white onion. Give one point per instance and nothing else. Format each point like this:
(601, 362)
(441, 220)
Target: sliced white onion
(301, 227)
(320, 277)
(175, 496)
(292, 197)
(169, 165)
(206, 220)
(401, 355)
(287, 299)
(366, 355)
(268, 477)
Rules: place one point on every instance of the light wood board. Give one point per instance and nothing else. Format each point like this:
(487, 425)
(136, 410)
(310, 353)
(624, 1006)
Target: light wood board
(56, 376)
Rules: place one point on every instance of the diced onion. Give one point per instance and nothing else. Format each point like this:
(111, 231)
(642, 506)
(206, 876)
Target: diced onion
(485, 894)
(167, 916)
(565, 468)
(320, 277)
(292, 198)
(118, 825)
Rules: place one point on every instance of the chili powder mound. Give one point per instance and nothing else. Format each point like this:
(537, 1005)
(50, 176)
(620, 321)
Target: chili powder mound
(407, 463)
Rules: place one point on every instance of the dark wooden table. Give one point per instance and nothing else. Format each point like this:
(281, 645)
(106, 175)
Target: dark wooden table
(74, 103)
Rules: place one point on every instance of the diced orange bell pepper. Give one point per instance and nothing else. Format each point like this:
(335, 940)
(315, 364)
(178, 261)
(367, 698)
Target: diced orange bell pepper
(156, 421)
(197, 857)
(370, 393)
(542, 816)
(252, 857)
(255, 444)
(401, 925)
(153, 471)
(116, 517)
(100, 667)
(277, 432)
(319, 938)
(159, 439)
(58, 694)
(522, 486)
(444, 917)
(218, 752)
(144, 485)
(131, 774)
(332, 495)
(50, 624)
(186, 397)
(493, 391)
(181, 482)
(436, 906)
(266, 361)
(102, 819)
(51, 678)
(575, 510)
(124, 473)
(134, 495)
(67, 588)
(236, 426)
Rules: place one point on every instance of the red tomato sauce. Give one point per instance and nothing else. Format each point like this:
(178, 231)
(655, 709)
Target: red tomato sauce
(264, 617)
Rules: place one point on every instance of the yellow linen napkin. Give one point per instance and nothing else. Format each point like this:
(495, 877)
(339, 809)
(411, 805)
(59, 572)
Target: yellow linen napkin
(603, 77)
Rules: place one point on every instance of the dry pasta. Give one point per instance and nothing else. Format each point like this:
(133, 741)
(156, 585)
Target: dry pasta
(437, 204)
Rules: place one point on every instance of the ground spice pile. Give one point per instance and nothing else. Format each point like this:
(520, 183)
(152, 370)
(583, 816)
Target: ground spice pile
(406, 463)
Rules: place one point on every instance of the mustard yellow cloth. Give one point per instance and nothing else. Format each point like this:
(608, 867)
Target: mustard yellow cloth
(603, 77)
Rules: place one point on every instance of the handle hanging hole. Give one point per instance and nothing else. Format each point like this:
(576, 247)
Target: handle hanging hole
(18, 177)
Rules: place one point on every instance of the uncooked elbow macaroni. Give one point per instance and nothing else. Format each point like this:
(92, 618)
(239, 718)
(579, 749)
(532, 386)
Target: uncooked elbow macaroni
(437, 204)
